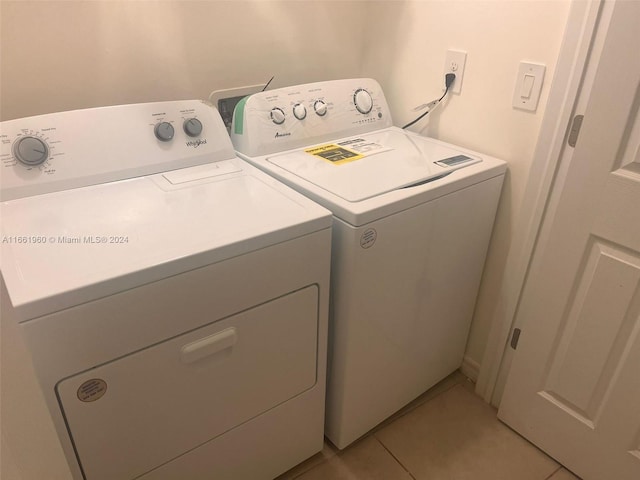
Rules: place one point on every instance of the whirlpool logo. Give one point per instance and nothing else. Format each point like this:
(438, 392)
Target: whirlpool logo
(278, 135)
(196, 143)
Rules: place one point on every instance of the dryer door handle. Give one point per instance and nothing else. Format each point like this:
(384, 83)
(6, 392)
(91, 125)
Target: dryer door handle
(210, 345)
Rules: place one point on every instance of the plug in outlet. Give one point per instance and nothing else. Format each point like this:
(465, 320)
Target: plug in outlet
(454, 63)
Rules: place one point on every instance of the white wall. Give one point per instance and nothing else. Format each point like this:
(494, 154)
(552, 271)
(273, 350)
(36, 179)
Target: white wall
(77, 54)
(406, 53)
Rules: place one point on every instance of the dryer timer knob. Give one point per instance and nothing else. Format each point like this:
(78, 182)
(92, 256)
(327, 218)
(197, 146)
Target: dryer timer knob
(192, 127)
(164, 131)
(30, 151)
(363, 101)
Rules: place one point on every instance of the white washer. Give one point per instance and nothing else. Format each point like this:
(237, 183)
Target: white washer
(412, 221)
(174, 298)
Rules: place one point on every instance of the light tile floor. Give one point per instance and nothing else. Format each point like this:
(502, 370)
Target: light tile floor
(448, 433)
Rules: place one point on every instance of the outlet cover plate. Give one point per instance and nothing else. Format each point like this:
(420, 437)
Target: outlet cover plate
(455, 61)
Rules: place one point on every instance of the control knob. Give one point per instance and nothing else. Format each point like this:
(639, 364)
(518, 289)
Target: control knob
(299, 111)
(30, 151)
(320, 107)
(363, 101)
(164, 131)
(277, 116)
(192, 127)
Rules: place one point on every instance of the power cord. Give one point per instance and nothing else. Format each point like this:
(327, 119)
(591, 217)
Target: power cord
(449, 78)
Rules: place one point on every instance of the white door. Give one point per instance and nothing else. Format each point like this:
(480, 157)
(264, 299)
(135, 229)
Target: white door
(574, 387)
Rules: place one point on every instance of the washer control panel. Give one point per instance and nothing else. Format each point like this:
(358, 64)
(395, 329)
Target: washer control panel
(72, 149)
(291, 117)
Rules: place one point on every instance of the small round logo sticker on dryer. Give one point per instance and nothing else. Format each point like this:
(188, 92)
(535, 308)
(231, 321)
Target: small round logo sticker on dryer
(368, 238)
(92, 390)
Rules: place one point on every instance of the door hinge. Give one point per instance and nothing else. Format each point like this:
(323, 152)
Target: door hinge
(575, 130)
(515, 336)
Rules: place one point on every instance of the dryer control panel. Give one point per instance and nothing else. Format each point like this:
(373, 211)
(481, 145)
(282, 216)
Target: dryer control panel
(59, 151)
(291, 117)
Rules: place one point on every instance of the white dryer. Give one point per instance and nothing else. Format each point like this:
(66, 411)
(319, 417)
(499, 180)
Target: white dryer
(173, 297)
(412, 221)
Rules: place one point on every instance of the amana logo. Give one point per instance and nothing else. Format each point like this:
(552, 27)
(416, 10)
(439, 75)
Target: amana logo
(196, 143)
(278, 135)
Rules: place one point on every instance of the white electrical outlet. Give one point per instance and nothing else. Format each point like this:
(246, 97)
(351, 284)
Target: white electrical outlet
(454, 63)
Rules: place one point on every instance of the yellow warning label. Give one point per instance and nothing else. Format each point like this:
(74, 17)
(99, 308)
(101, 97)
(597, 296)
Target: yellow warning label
(335, 154)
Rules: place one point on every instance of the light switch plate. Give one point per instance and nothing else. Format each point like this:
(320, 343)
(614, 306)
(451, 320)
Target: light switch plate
(454, 63)
(528, 86)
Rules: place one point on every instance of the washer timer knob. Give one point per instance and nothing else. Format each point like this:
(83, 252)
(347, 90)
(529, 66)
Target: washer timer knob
(164, 131)
(320, 107)
(363, 101)
(30, 151)
(299, 111)
(277, 116)
(192, 127)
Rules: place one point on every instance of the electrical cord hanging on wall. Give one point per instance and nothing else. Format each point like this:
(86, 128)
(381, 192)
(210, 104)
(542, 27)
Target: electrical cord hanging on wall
(449, 78)
(268, 83)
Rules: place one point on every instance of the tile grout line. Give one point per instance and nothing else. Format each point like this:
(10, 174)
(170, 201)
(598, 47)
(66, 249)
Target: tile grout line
(376, 429)
(394, 457)
(310, 468)
(379, 427)
(554, 472)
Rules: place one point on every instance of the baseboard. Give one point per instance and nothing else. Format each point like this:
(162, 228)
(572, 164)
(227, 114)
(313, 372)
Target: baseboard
(470, 368)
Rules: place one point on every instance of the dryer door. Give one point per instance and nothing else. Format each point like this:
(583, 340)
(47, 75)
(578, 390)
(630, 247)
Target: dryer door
(138, 412)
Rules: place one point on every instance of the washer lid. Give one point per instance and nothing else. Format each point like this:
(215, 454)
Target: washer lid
(65, 248)
(362, 167)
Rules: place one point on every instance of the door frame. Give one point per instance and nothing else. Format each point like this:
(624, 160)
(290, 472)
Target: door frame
(572, 81)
